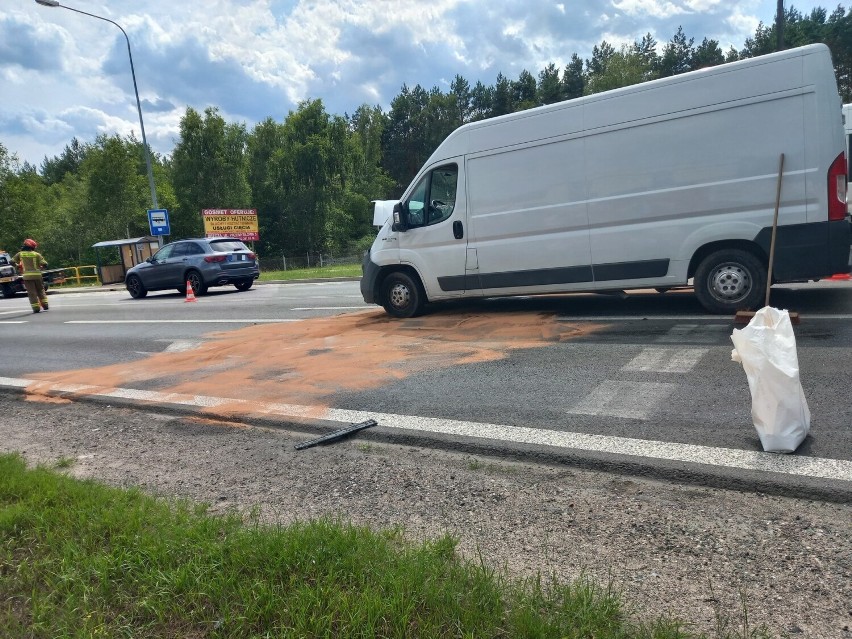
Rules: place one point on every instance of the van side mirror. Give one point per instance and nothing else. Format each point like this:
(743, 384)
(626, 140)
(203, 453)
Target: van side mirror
(400, 219)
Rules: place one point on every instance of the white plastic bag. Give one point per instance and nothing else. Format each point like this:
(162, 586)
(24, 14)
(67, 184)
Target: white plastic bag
(767, 350)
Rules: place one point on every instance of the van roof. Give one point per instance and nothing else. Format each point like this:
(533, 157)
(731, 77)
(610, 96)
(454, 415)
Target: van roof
(460, 141)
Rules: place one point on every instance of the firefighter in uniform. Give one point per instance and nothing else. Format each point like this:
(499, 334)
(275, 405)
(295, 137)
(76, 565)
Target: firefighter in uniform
(32, 262)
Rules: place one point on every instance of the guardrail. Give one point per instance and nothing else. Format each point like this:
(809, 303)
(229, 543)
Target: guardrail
(77, 275)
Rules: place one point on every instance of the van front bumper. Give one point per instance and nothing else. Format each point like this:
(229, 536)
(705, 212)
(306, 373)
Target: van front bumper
(369, 278)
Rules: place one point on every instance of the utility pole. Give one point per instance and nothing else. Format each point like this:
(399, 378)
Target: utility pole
(779, 25)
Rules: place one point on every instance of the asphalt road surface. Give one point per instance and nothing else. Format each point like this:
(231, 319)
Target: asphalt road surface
(651, 389)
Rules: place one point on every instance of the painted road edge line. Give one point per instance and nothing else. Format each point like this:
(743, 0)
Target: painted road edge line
(834, 469)
(185, 321)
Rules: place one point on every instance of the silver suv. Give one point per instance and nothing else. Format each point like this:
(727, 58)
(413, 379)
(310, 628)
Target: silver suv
(201, 262)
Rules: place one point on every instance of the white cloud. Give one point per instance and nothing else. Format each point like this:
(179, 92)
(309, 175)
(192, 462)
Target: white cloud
(63, 74)
(652, 8)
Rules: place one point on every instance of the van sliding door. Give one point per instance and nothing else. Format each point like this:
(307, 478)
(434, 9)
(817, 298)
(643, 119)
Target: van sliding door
(528, 218)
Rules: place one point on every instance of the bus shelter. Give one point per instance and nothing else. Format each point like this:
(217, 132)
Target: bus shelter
(122, 255)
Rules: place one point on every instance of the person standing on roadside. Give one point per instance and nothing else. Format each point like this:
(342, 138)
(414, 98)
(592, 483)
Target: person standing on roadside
(31, 264)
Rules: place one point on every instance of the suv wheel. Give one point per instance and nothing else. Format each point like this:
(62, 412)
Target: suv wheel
(197, 283)
(135, 287)
(244, 285)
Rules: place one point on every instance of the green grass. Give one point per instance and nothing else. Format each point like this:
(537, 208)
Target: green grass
(342, 270)
(79, 559)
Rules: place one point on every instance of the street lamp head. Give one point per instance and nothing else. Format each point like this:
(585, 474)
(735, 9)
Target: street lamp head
(48, 3)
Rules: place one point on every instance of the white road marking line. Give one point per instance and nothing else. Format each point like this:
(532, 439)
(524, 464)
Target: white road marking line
(666, 360)
(687, 318)
(11, 312)
(837, 469)
(631, 400)
(13, 321)
(329, 308)
(181, 345)
(694, 333)
(636, 318)
(185, 321)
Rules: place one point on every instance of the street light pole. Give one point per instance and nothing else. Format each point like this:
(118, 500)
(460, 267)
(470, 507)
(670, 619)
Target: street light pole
(54, 3)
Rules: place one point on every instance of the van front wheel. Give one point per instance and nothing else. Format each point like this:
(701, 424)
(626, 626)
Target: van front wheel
(730, 280)
(402, 296)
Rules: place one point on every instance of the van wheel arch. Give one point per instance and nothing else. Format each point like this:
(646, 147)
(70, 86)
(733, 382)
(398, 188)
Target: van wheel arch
(401, 292)
(743, 245)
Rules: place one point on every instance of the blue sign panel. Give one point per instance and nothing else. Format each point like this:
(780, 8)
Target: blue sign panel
(158, 219)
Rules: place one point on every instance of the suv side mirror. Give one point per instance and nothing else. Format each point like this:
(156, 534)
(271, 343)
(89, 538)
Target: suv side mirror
(400, 218)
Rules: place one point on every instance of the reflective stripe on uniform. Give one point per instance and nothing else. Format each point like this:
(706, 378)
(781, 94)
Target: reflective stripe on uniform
(31, 261)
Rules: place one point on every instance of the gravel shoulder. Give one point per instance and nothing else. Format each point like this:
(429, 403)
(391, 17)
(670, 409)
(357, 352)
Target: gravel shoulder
(693, 552)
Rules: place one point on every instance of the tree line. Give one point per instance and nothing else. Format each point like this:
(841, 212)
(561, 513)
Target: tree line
(312, 177)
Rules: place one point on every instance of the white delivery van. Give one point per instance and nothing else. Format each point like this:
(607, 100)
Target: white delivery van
(644, 186)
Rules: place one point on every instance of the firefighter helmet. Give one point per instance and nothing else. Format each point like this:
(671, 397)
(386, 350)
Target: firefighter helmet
(30, 243)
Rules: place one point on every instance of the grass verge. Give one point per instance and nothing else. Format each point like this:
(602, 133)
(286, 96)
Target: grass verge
(80, 559)
(342, 270)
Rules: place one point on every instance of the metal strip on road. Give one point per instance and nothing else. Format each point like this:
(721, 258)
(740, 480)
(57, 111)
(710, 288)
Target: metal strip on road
(815, 467)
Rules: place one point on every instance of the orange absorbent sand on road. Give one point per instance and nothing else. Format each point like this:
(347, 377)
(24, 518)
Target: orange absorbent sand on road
(307, 362)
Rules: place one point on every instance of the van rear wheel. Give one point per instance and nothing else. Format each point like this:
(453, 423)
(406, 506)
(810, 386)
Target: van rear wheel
(730, 280)
(402, 296)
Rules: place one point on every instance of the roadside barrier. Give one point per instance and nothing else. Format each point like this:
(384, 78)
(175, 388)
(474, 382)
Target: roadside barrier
(77, 275)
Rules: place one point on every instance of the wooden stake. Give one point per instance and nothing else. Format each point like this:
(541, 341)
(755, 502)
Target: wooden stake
(774, 228)
(743, 317)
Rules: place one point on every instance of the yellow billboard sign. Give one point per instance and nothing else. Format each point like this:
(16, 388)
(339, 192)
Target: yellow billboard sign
(239, 223)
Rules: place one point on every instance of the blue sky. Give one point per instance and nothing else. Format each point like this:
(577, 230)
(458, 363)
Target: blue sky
(63, 74)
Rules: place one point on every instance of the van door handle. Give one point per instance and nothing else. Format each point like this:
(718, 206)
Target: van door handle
(458, 230)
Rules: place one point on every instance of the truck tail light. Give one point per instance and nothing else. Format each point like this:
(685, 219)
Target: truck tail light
(215, 258)
(837, 189)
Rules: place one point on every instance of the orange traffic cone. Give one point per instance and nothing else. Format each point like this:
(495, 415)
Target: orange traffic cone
(190, 294)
